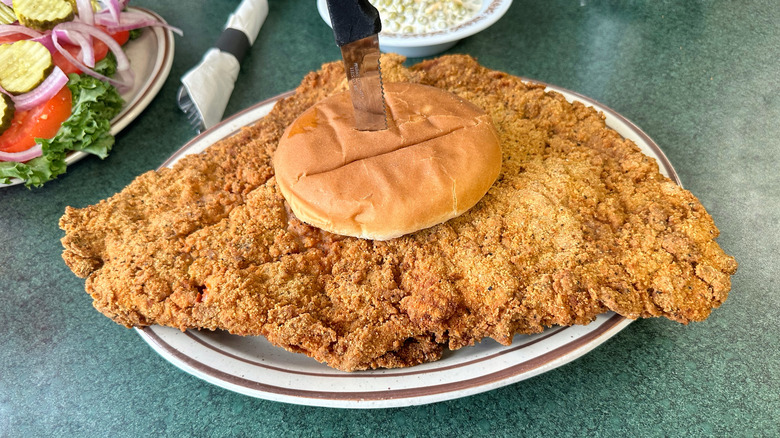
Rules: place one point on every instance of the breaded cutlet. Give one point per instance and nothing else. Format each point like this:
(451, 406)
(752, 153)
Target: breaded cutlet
(579, 222)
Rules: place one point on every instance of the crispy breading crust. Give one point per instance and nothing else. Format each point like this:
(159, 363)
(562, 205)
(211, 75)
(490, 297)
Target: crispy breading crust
(579, 222)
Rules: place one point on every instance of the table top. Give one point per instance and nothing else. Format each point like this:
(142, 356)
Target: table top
(700, 78)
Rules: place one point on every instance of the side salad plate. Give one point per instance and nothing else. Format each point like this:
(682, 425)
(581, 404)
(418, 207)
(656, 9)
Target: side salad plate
(151, 57)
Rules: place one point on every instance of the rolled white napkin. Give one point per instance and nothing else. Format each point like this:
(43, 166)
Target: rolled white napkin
(210, 83)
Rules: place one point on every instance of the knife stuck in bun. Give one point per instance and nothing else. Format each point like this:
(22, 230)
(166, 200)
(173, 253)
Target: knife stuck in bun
(437, 159)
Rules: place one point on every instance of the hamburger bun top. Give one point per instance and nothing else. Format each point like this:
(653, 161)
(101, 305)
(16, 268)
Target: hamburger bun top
(438, 157)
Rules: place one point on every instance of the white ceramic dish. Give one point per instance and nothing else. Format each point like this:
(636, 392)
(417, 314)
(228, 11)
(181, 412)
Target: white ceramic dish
(151, 57)
(427, 44)
(252, 366)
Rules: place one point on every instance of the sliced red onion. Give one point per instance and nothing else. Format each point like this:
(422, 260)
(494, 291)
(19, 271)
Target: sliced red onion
(72, 59)
(131, 20)
(43, 92)
(81, 40)
(62, 35)
(115, 8)
(122, 63)
(46, 41)
(55, 40)
(121, 84)
(125, 22)
(21, 157)
(86, 14)
(126, 80)
(87, 51)
(43, 38)
(8, 29)
(9, 3)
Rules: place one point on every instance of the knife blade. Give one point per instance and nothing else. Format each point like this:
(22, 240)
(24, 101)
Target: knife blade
(207, 87)
(356, 26)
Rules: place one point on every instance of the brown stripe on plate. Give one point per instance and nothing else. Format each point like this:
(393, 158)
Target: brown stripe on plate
(520, 346)
(390, 394)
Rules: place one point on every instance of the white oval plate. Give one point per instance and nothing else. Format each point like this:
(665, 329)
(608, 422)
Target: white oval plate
(426, 44)
(151, 57)
(251, 365)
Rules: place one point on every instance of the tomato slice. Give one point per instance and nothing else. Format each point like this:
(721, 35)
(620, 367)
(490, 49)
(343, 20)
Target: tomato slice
(40, 122)
(121, 36)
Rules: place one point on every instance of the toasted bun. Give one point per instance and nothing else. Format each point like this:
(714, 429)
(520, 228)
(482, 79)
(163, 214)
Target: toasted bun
(438, 157)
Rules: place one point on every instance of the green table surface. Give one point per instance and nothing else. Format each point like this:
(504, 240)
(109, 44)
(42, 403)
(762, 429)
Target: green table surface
(701, 78)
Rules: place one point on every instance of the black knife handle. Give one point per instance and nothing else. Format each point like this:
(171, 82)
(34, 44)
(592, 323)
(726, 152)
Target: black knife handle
(353, 20)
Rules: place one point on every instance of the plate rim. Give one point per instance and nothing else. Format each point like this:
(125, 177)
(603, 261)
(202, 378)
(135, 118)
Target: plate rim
(574, 349)
(391, 398)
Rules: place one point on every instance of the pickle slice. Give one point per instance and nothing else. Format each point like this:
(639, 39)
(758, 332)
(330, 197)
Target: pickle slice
(7, 15)
(23, 66)
(6, 112)
(43, 15)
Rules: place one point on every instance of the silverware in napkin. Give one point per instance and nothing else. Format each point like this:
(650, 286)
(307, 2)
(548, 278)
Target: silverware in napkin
(207, 87)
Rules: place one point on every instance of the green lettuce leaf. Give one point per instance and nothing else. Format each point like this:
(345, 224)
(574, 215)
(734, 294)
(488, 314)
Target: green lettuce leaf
(95, 103)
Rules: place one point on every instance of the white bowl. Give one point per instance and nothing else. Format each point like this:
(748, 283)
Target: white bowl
(426, 44)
